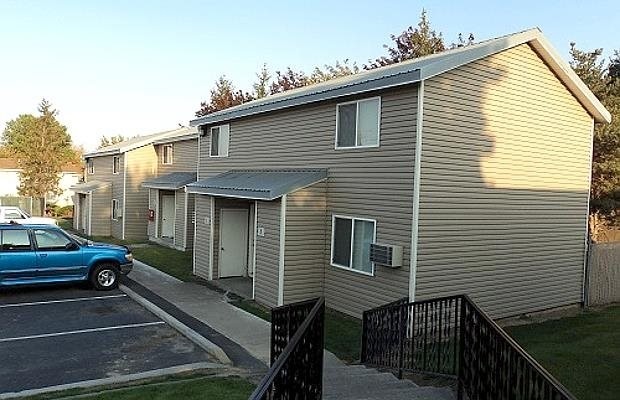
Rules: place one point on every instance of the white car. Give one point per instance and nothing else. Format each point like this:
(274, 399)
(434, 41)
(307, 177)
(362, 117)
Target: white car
(17, 215)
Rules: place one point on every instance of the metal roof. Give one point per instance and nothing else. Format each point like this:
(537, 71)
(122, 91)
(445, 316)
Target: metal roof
(416, 70)
(140, 141)
(172, 181)
(87, 187)
(268, 184)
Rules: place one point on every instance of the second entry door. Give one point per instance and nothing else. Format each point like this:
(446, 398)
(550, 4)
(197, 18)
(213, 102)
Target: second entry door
(233, 242)
(167, 215)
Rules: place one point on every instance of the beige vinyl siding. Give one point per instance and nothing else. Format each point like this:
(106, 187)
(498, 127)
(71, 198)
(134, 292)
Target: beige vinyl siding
(102, 225)
(117, 193)
(372, 183)
(504, 186)
(306, 243)
(141, 165)
(184, 156)
(267, 253)
(203, 232)
(153, 196)
(101, 212)
(179, 219)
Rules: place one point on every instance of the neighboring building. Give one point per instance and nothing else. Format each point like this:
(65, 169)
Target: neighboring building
(171, 209)
(111, 201)
(9, 178)
(474, 161)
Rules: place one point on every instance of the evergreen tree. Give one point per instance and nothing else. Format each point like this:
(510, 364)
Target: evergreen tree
(41, 146)
(223, 96)
(108, 141)
(412, 43)
(604, 81)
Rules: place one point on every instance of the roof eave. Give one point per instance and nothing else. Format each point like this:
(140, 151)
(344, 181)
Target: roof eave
(348, 90)
(177, 139)
(579, 89)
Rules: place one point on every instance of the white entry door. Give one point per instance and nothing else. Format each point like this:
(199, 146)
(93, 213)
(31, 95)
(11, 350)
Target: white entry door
(233, 258)
(167, 215)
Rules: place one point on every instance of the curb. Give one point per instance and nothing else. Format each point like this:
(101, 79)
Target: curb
(210, 347)
(179, 369)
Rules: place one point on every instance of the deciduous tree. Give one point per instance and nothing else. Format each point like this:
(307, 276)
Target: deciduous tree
(41, 146)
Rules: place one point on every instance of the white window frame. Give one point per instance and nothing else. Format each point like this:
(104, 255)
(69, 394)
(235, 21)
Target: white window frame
(374, 239)
(163, 154)
(90, 166)
(219, 141)
(357, 117)
(114, 215)
(115, 170)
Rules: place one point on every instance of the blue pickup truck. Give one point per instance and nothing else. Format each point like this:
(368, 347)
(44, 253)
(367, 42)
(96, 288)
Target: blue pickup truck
(34, 253)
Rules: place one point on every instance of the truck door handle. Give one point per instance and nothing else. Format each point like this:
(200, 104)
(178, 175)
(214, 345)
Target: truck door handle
(43, 255)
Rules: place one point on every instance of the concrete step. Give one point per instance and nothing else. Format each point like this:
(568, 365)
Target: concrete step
(392, 394)
(361, 383)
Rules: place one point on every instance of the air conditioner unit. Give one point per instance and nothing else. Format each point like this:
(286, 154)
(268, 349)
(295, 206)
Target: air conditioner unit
(387, 255)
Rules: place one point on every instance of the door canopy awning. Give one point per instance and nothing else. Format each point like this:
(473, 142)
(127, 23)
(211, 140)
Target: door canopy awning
(88, 187)
(173, 181)
(266, 184)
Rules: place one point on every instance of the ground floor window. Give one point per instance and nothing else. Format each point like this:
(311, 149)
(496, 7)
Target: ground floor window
(351, 239)
(116, 212)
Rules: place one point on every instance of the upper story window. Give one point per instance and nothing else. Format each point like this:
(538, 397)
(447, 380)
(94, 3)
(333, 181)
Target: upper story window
(357, 123)
(166, 154)
(116, 163)
(90, 166)
(219, 140)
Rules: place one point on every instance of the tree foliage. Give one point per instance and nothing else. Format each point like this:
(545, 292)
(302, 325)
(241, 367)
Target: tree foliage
(223, 96)
(261, 87)
(604, 81)
(41, 146)
(412, 43)
(110, 140)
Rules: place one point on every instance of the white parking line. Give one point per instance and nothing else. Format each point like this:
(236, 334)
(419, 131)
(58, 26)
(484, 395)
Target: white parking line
(107, 328)
(37, 303)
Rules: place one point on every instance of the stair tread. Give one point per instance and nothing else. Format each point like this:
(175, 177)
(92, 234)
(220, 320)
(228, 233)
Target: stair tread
(362, 383)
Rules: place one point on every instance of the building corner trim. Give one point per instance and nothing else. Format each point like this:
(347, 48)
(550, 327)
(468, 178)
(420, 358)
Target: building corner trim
(413, 257)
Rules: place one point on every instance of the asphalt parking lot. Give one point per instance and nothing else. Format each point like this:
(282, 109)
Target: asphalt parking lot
(53, 336)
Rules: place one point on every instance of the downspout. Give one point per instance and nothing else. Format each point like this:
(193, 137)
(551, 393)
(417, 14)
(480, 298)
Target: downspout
(413, 257)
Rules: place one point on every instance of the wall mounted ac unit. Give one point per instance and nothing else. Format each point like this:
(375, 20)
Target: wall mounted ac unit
(386, 254)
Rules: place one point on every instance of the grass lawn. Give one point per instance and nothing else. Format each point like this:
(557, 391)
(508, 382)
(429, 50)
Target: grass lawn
(583, 352)
(187, 389)
(343, 334)
(173, 262)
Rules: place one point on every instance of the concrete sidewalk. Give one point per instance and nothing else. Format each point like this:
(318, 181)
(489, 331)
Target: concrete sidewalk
(209, 307)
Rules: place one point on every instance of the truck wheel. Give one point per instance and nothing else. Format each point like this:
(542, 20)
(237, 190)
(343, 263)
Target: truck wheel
(104, 276)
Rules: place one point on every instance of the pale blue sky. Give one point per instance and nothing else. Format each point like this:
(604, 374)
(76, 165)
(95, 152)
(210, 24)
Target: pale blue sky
(135, 67)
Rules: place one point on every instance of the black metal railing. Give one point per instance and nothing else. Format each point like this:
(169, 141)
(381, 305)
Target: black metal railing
(452, 336)
(413, 337)
(297, 339)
